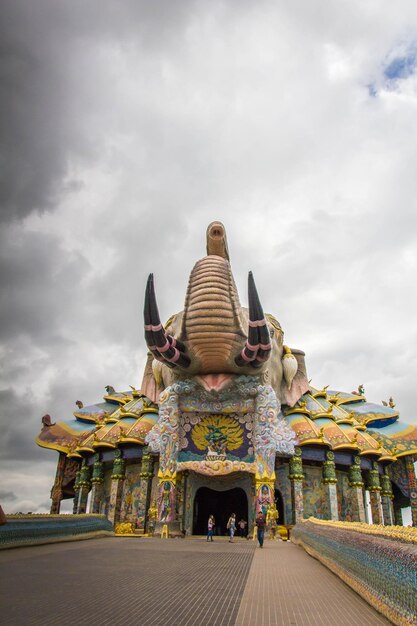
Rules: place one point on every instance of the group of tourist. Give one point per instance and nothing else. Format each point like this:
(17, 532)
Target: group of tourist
(242, 526)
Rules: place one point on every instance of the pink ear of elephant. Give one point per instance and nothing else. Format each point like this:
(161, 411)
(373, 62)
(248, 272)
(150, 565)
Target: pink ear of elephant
(299, 387)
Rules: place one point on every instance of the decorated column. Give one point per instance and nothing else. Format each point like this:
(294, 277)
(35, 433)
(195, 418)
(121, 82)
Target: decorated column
(116, 490)
(356, 485)
(84, 485)
(56, 493)
(374, 488)
(398, 516)
(412, 483)
(145, 487)
(386, 499)
(296, 477)
(97, 481)
(167, 497)
(329, 479)
(76, 489)
(264, 495)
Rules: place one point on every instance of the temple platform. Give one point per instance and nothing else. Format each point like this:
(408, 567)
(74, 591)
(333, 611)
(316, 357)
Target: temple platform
(186, 582)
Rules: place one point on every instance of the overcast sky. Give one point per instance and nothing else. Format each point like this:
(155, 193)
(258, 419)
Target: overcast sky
(127, 127)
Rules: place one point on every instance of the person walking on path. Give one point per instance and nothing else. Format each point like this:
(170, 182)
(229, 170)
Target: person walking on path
(210, 528)
(260, 525)
(242, 527)
(231, 527)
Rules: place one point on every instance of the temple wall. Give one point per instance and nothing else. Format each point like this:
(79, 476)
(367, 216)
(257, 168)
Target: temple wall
(315, 498)
(283, 484)
(104, 509)
(344, 497)
(131, 493)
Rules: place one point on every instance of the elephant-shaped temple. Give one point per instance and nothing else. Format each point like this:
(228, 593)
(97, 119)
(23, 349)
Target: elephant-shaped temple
(225, 421)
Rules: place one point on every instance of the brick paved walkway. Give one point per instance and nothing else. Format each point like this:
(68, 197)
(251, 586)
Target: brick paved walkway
(153, 582)
(288, 587)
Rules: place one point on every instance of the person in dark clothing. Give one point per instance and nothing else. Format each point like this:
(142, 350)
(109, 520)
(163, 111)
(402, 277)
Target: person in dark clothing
(260, 525)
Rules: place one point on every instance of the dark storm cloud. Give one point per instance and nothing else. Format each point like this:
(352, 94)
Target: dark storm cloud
(45, 98)
(36, 285)
(19, 426)
(7, 496)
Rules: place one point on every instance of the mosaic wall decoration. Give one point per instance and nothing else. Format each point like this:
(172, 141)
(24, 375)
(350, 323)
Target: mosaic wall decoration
(131, 494)
(398, 474)
(237, 429)
(314, 492)
(378, 563)
(344, 494)
(105, 503)
(216, 437)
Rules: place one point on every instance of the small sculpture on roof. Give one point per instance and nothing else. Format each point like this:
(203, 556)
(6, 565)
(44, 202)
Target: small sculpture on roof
(390, 403)
(110, 390)
(360, 392)
(79, 404)
(46, 421)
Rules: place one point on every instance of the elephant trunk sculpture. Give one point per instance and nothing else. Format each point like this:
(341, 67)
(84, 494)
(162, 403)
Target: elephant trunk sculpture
(215, 338)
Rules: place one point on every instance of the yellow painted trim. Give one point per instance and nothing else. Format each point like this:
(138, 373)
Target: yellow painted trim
(50, 446)
(315, 441)
(131, 440)
(85, 417)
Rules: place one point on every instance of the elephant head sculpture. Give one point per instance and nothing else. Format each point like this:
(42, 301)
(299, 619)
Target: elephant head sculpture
(214, 338)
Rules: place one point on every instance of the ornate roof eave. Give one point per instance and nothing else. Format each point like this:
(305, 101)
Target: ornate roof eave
(103, 444)
(116, 399)
(346, 446)
(84, 448)
(370, 451)
(52, 446)
(315, 441)
(131, 440)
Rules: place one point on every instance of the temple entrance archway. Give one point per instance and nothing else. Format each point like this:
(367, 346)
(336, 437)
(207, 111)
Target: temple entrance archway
(221, 504)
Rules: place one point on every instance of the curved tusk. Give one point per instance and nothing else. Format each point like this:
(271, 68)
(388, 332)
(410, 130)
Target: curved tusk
(257, 348)
(163, 346)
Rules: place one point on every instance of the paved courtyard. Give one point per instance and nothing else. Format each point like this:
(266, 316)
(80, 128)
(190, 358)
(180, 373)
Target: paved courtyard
(175, 582)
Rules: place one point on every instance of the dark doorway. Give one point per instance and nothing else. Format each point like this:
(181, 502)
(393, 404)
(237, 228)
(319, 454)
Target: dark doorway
(221, 504)
(279, 503)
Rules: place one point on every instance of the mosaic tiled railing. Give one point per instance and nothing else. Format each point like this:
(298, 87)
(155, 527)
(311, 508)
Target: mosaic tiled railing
(378, 562)
(30, 530)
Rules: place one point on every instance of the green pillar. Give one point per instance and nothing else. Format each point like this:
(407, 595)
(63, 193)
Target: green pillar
(330, 481)
(116, 491)
(145, 488)
(398, 515)
(97, 481)
(386, 499)
(374, 488)
(412, 483)
(76, 490)
(296, 477)
(84, 485)
(356, 494)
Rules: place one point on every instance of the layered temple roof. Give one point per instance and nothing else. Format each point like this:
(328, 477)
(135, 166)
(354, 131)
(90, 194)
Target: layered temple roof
(334, 419)
(122, 418)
